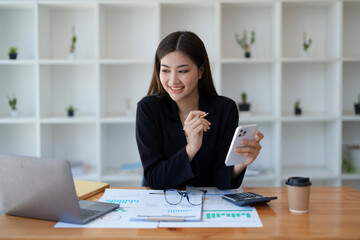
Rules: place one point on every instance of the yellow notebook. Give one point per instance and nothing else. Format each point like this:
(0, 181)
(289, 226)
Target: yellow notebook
(85, 189)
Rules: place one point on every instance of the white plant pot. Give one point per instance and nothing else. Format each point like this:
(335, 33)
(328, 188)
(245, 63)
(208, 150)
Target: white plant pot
(71, 55)
(13, 113)
(304, 54)
(129, 112)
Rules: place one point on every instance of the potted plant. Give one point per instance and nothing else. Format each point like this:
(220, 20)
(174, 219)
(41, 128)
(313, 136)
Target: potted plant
(12, 103)
(306, 45)
(244, 44)
(13, 52)
(357, 105)
(297, 109)
(244, 106)
(70, 111)
(71, 54)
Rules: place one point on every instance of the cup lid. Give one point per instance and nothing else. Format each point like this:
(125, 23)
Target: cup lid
(298, 181)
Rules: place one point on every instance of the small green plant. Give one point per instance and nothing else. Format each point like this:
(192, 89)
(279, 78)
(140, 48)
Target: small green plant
(73, 41)
(297, 104)
(12, 102)
(243, 42)
(347, 167)
(243, 97)
(13, 50)
(70, 108)
(306, 43)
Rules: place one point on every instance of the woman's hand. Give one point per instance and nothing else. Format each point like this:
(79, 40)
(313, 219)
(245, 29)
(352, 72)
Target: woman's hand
(251, 151)
(194, 126)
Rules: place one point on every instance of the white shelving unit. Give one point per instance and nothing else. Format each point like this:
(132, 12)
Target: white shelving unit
(111, 72)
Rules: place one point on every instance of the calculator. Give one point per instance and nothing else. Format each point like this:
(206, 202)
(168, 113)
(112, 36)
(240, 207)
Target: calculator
(246, 198)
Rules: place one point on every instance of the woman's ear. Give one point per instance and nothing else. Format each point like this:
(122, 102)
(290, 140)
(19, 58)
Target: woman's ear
(201, 71)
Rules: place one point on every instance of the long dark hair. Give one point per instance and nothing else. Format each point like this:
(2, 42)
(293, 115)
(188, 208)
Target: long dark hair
(190, 44)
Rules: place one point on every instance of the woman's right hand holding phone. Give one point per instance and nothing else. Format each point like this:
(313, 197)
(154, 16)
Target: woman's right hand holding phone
(194, 126)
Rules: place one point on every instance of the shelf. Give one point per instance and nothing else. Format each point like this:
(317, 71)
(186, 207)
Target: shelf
(89, 176)
(121, 176)
(351, 59)
(74, 142)
(17, 27)
(309, 60)
(118, 119)
(318, 152)
(309, 81)
(315, 173)
(17, 62)
(66, 62)
(56, 22)
(350, 117)
(61, 85)
(116, 149)
(258, 81)
(18, 81)
(126, 61)
(252, 60)
(308, 117)
(115, 98)
(6, 119)
(320, 20)
(248, 17)
(255, 118)
(113, 67)
(127, 31)
(18, 139)
(68, 120)
(198, 17)
(348, 176)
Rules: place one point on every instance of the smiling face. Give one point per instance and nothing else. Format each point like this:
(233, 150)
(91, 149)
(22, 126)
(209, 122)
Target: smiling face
(179, 76)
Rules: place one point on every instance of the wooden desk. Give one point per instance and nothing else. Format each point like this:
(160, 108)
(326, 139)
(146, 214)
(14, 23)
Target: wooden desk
(334, 214)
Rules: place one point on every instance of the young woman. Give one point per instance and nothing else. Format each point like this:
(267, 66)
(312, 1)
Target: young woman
(179, 144)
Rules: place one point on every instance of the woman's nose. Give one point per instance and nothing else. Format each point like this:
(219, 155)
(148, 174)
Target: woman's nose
(174, 78)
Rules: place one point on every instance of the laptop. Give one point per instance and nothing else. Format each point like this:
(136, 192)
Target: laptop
(44, 189)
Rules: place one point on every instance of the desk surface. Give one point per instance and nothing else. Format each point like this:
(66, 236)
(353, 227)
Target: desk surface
(334, 213)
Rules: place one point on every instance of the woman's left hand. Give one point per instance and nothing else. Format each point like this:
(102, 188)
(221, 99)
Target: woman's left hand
(251, 151)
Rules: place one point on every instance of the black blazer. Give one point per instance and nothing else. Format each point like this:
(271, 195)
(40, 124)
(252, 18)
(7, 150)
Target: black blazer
(161, 142)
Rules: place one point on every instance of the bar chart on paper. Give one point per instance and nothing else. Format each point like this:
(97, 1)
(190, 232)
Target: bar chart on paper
(227, 215)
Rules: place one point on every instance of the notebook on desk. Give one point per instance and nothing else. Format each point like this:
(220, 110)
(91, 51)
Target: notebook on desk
(44, 189)
(86, 189)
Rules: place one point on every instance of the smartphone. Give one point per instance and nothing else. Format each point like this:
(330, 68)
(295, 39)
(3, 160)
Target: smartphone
(244, 132)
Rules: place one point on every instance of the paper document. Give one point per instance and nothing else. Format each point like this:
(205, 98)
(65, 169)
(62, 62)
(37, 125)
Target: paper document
(154, 207)
(217, 212)
(120, 218)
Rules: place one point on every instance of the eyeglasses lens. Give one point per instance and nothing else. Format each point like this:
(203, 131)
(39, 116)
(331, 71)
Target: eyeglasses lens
(173, 196)
(196, 197)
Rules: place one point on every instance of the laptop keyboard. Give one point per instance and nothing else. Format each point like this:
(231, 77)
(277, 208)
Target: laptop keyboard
(86, 213)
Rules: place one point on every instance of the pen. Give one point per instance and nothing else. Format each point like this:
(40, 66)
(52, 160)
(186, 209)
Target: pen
(203, 116)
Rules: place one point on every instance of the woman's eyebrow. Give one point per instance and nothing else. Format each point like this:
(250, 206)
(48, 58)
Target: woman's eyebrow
(180, 66)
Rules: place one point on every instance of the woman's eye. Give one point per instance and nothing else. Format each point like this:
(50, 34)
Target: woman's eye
(165, 70)
(183, 71)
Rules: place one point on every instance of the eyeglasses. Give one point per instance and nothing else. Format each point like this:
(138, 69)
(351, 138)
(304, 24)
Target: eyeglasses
(194, 197)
